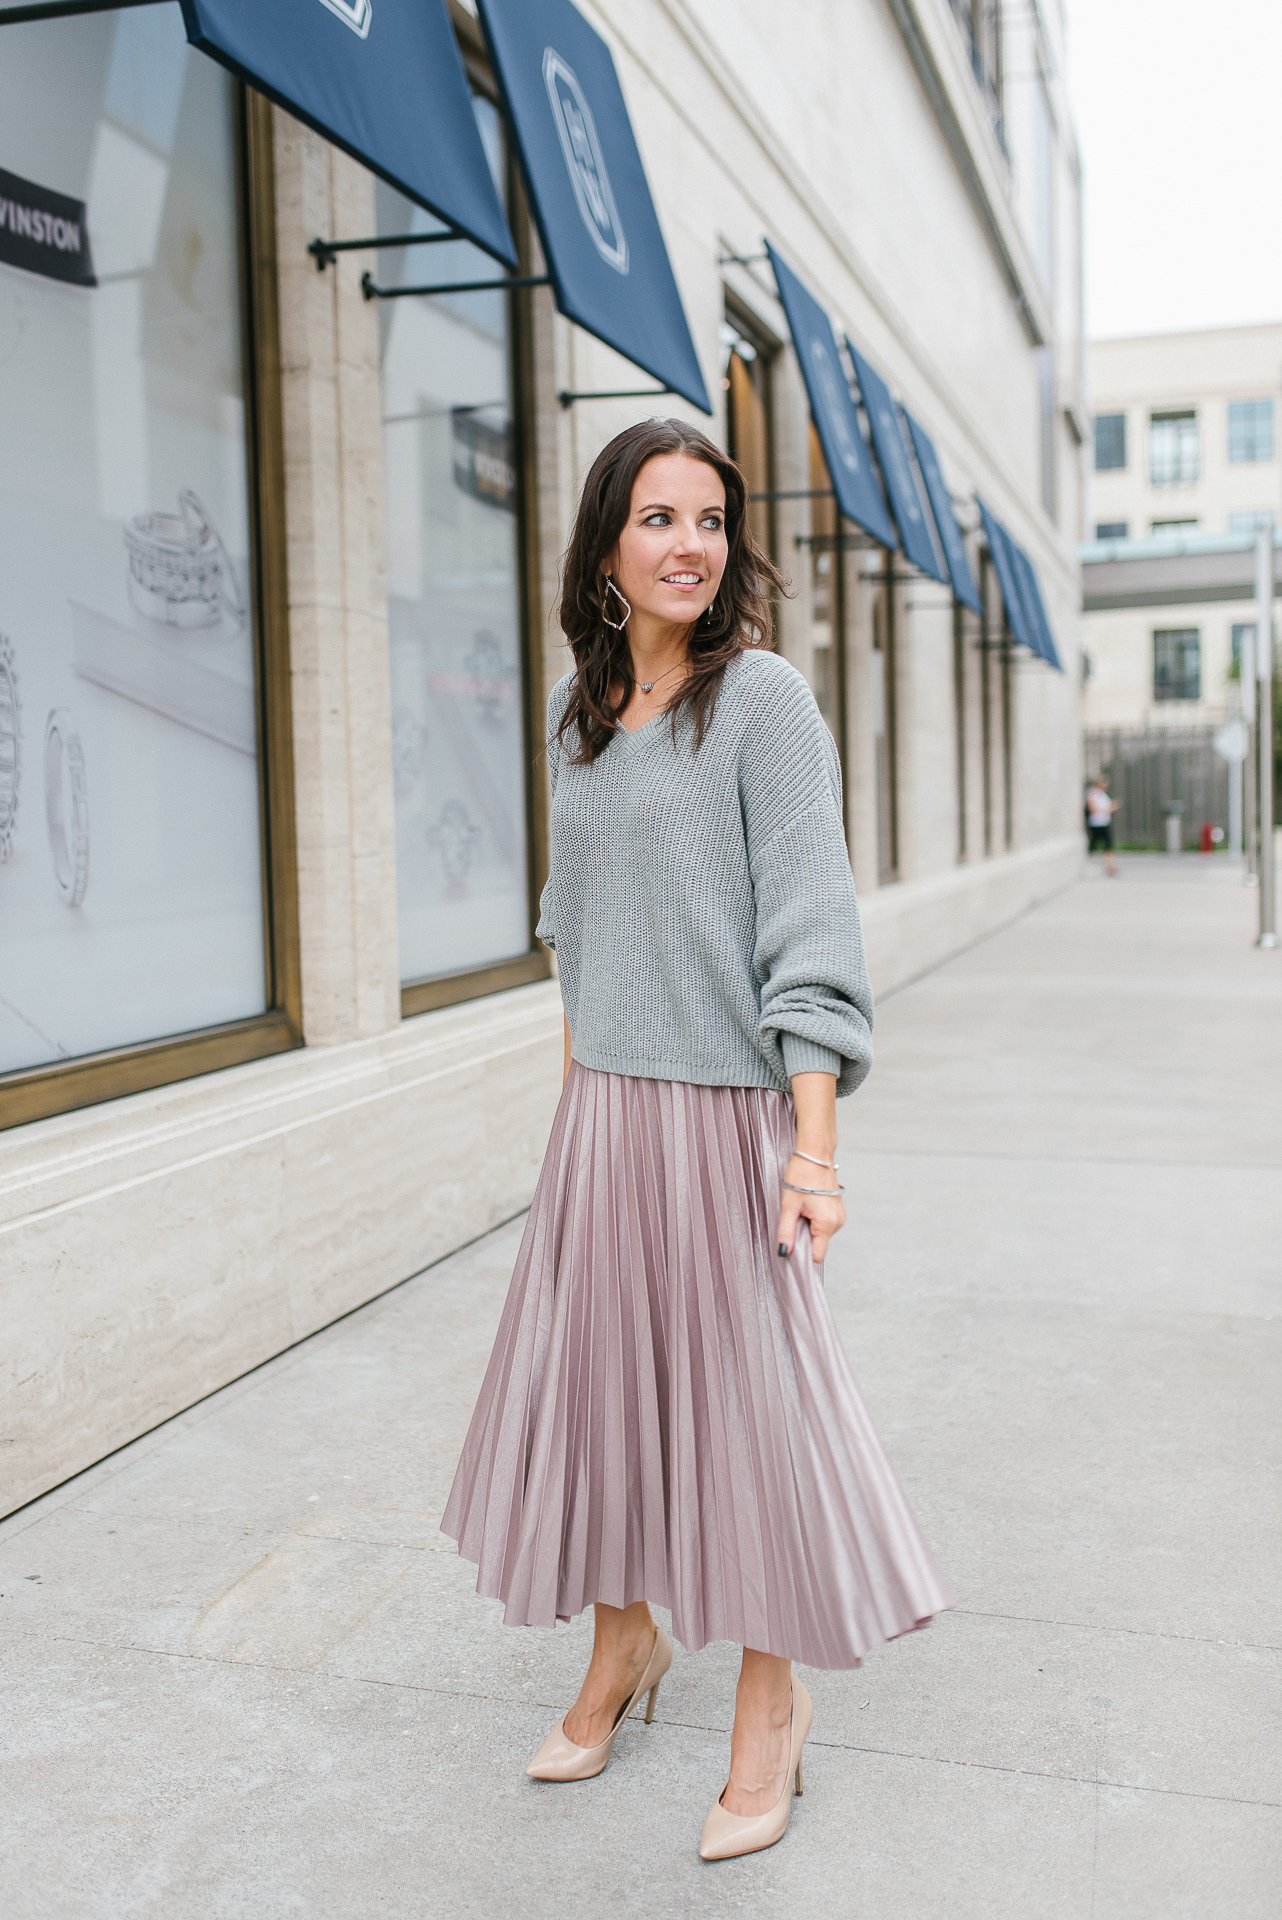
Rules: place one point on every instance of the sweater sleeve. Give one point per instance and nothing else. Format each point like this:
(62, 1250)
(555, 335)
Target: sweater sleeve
(816, 1002)
(546, 929)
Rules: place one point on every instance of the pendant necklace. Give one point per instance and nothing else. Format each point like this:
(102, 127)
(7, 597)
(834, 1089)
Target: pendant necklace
(648, 686)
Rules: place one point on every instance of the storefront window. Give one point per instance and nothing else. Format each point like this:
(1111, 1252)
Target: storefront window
(453, 553)
(883, 687)
(746, 364)
(131, 895)
(825, 559)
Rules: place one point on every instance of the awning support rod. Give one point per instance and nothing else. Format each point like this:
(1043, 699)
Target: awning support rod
(326, 252)
(372, 291)
(568, 399)
(793, 493)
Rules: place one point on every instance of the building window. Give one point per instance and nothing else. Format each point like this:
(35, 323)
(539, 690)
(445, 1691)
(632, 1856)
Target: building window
(1250, 518)
(1048, 443)
(1111, 529)
(827, 600)
(981, 25)
(1110, 442)
(747, 367)
(1239, 633)
(1172, 529)
(133, 654)
(453, 512)
(1177, 663)
(1173, 449)
(883, 689)
(1250, 430)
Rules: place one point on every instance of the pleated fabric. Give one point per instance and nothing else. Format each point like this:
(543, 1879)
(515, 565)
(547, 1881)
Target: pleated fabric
(668, 1413)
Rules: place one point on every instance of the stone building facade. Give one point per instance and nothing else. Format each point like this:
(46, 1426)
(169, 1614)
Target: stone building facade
(276, 1032)
(1187, 461)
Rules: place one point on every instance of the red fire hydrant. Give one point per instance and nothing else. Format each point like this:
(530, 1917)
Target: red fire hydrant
(1206, 840)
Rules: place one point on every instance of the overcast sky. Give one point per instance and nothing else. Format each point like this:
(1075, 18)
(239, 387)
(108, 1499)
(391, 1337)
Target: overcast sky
(1177, 108)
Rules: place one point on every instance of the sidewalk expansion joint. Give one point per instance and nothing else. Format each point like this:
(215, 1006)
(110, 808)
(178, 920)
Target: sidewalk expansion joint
(1103, 1626)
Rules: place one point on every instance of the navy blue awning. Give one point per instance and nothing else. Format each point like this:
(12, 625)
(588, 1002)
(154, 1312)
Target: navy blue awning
(1036, 606)
(605, 253)
(950, 534)
(1002, 548)
(912, 515)
(832, 407)
(383, 79)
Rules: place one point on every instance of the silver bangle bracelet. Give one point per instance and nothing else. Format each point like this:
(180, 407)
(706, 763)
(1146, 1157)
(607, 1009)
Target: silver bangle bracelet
(815, 1163)
(825, 1193)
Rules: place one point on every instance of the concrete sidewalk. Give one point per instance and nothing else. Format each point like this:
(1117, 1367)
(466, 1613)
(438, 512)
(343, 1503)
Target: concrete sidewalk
(243, 1674)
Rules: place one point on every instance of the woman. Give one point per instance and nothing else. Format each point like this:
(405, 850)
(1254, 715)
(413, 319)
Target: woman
(668, 1415)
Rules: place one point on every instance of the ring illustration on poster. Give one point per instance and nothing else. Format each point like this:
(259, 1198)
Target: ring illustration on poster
(10, 746)
(454, 837)
(409, 751)
(180, 572)
(66, 806)
(491, 680)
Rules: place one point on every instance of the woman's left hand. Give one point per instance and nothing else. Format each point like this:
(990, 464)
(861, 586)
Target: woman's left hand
(814, 1097)
(826, 1215)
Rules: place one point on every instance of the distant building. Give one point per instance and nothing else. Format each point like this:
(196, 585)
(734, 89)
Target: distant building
(1186, 446)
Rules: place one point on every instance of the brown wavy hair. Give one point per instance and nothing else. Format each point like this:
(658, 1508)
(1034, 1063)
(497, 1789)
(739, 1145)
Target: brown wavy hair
(740, 616)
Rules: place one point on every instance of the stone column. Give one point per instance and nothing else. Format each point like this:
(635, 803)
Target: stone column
(337, 597)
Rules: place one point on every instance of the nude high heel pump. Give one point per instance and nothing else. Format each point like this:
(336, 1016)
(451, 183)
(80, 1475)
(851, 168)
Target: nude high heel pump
(559, 1759)
(726, 1835)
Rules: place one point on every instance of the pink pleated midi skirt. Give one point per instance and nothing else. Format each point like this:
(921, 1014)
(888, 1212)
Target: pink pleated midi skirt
(668, 1413)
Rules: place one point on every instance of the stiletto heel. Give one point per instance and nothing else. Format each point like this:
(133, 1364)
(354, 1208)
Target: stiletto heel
(800, 1788)
(560, 1759)
(727, 1835)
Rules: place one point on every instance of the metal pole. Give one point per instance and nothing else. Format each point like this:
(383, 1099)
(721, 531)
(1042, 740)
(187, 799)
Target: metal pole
(1235, 810)
(1246, 668)
(1264, 728)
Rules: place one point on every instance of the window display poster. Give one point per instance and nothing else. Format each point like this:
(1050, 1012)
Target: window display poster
(130, 842)
(458, 730)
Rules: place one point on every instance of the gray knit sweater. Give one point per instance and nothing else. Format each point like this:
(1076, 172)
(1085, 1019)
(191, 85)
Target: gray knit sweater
(701, 904)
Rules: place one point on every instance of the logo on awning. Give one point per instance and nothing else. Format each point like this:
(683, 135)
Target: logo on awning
(836, 400)
(355, 14)
(584, 161)
(899, 461)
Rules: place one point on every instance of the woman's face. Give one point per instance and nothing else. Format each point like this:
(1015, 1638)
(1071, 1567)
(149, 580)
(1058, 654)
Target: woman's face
(672, 552)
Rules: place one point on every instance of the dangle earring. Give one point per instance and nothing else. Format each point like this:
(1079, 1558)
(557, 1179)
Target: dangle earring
(618, 625)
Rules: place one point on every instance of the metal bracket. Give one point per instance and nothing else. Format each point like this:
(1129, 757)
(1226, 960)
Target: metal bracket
(794, 493)
(372, 291)
(835, 543)
(740, 259)
(326, 252)
(568, 399)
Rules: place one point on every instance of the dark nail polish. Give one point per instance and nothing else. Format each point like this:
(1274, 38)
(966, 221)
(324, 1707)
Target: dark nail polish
(783, 1251)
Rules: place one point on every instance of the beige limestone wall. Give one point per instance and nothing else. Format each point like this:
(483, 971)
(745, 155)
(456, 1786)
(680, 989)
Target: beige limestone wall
(154, 1248)
(337, 597)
